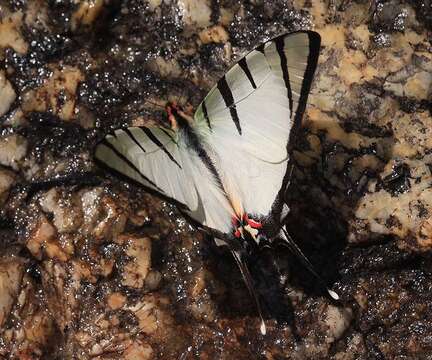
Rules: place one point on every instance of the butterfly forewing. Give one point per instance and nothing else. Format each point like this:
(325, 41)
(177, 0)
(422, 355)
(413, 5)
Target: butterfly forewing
(264, 96)
(294, 58)
(238, 83)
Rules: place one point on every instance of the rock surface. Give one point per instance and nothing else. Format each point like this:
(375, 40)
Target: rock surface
(93, 267)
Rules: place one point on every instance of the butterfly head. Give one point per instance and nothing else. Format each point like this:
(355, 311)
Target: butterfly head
(246, 227)
(177, 115)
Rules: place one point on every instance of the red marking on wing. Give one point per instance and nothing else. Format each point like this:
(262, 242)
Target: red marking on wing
(252, 223)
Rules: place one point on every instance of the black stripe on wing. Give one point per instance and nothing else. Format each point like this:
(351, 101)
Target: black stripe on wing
(196, 145)
(311, 64)
(228, 98)
(156, 141)
(154, 190)
(135, 140)
(125, 160)
(244, 66)
(168, 134)
(204, 109)
(280, 47)
(260, 48)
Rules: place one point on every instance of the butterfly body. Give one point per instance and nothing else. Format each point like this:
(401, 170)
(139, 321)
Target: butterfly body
(227, 166)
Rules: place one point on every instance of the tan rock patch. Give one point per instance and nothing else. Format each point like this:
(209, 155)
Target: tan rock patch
(13, 148)
(136, 270)
(11, 272)
(86, 13)
(214, 34)
(116, 301)
(10, 30)
(7, 93)
(57, 94)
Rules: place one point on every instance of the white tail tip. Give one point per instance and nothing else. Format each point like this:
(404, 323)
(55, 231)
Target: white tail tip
(333, 294)
(263, 328)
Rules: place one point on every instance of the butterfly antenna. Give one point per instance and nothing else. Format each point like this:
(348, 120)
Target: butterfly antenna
(154, 104)
(248, 280)
(189, 97)
(305, 261)
(180, 93)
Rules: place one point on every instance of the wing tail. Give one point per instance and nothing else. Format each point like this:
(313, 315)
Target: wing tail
(289, 242)
(249, 284)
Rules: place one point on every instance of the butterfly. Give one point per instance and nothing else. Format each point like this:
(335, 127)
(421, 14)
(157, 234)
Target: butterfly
(227, 166)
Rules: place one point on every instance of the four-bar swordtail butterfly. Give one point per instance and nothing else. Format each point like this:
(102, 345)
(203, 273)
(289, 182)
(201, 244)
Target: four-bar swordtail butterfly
(227, 167)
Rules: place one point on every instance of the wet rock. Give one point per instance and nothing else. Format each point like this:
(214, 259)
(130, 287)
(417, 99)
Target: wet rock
(396, 305)
(355, 349)
(11, 273)
(57, 94)
(424, 12)
(139, 250)
(392, 15)
(338, 321)
(195, 13)
(166, 67)
(13, 148)
(86, 13)
(104, 217)
(66, 212)
(11, 30)
(43, 241)
(138, 351)
(116, 301)
(30, 329)
(60, 293)
(411, 81)
(7, 180)
(153, 280)
(7, 94)
(215, 34)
